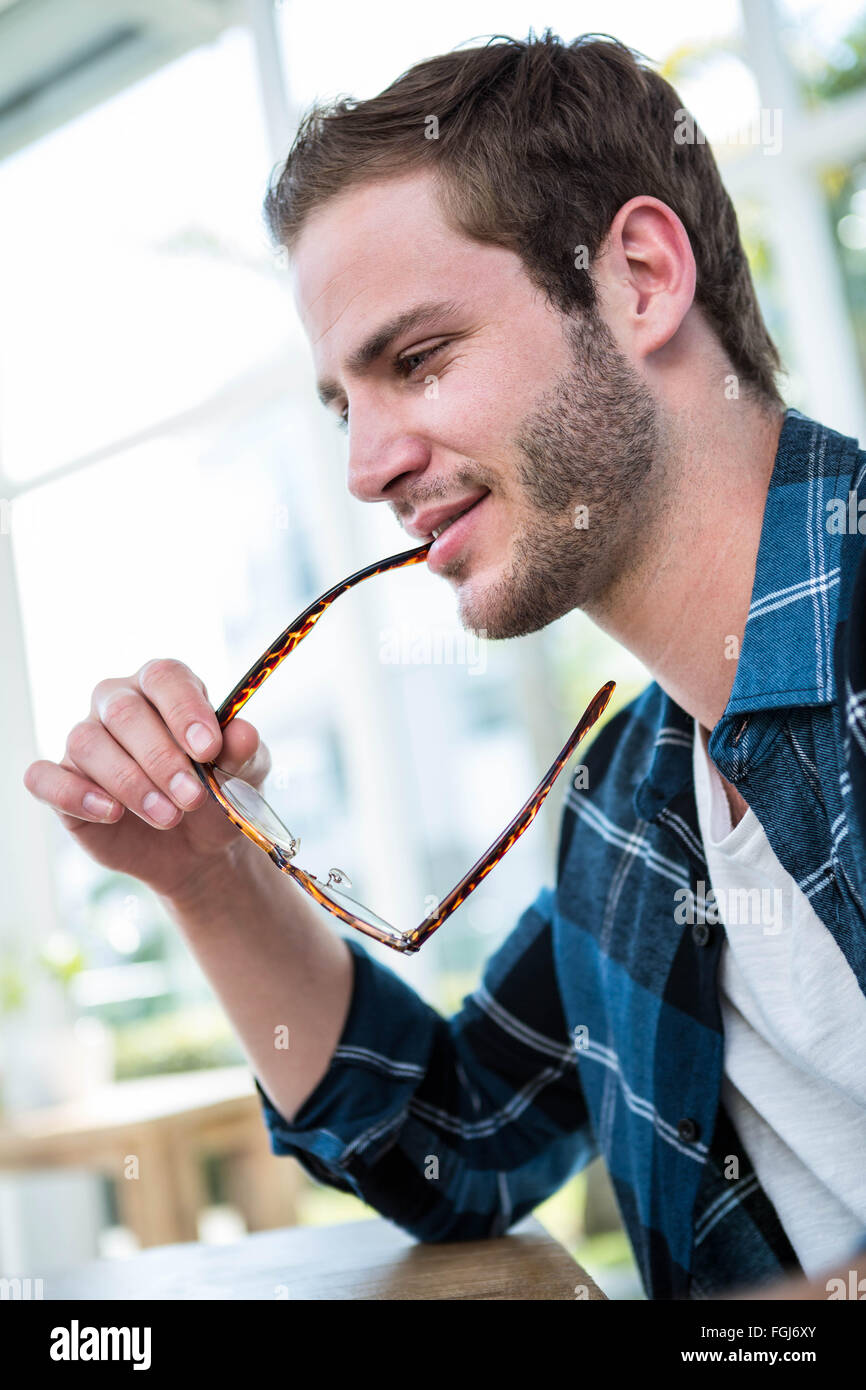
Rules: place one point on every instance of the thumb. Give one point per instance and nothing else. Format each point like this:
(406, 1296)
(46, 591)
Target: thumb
(243, 752)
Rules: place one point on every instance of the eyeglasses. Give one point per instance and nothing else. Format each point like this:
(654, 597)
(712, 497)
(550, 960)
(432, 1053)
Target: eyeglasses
(249, 811)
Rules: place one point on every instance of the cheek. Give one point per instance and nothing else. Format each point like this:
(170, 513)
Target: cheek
(478, 409)
(494, 542)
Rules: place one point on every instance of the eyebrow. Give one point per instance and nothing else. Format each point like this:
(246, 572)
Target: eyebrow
(382, 337)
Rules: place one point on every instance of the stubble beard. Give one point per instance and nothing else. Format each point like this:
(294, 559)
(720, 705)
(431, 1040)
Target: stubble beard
(592, 442)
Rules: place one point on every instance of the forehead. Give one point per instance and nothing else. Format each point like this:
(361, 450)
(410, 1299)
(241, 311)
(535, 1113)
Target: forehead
(370, 252)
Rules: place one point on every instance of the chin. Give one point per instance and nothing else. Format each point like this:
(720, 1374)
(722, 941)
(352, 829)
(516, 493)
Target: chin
(478, 597)
(514, 599)
(474, 616)
(486, 608)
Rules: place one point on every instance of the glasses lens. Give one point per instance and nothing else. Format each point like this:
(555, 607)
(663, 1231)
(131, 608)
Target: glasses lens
(253, 807)
(247, 801)
(352, 905)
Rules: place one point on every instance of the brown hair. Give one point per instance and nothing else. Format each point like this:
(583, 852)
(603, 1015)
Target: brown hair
(537, 144)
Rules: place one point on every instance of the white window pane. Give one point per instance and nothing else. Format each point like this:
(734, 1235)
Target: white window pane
(135, 271)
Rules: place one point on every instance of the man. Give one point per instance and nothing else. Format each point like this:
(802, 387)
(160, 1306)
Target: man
(523, 228)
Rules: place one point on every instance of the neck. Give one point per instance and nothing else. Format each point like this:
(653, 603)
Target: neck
(682, 610)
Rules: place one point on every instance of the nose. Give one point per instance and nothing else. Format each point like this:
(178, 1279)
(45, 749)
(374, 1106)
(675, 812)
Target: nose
(383, 456)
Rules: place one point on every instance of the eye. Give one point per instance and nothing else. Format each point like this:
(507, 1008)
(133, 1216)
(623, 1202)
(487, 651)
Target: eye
(405, 366)
(408, 364)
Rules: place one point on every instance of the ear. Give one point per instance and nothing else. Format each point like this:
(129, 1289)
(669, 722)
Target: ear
(646, 275)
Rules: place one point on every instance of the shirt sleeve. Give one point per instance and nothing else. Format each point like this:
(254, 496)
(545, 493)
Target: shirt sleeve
(452, 1128)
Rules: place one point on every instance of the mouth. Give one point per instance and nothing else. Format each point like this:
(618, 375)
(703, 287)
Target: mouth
(452, 534)
(440, 530)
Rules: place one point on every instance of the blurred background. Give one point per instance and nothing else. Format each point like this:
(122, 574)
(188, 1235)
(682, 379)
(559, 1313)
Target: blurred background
(169, 486)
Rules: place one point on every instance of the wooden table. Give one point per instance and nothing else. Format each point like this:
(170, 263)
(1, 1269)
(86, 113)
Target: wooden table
(368, 1259)
(167, 1124)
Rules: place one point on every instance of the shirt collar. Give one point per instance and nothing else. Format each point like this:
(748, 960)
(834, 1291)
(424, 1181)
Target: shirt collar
(786, 656)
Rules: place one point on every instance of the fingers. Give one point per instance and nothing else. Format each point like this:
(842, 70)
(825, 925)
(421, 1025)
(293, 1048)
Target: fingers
(68, 791)
(129, 744)
(179, 697)
(134, 750)
(243, 752)
(92, 750)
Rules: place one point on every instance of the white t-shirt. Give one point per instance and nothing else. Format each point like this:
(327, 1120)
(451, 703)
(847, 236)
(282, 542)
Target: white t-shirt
(795, 1034)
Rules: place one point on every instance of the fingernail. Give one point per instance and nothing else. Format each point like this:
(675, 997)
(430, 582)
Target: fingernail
(184, 787)
(97, 805)
(158, 807)
(199, 738)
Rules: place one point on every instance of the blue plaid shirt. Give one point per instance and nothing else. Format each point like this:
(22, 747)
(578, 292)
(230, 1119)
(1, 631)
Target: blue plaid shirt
(597, 1026)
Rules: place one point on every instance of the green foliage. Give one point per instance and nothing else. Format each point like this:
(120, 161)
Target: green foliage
(562, 1214)
(189, 1039)
(61, 957)
(451, 988)
(319, 1205)
(13, 990)
(844, 70)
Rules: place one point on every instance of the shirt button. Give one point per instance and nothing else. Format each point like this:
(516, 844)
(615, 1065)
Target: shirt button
(687, 1130)
(701, 933)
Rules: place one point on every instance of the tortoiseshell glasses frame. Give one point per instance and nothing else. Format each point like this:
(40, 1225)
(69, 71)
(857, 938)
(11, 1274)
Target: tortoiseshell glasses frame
(281, 848)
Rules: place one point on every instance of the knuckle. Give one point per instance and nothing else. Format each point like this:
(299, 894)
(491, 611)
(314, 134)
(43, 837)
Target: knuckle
(82, 739)
(103, 688)
(162, 762)
(159, 670)
(186, 712)
(121, 709)
(166, 676)
(130, 783)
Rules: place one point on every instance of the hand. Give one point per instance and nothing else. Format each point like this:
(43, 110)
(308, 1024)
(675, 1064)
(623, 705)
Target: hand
(126, 788)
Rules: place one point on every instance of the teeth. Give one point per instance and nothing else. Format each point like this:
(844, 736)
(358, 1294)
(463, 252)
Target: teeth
(445, 524)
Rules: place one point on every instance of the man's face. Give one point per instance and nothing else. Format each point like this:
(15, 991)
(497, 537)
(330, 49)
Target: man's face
(465, 392)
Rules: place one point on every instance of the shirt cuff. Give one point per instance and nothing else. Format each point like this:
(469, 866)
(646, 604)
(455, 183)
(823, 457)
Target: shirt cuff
(359, 1106)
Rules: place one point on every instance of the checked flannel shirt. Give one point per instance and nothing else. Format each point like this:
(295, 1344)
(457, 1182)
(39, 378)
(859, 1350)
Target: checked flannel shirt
(596, 1028)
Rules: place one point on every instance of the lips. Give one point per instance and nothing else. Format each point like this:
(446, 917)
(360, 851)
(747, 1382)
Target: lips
(454, 536)
(436, 520)
(438, 530)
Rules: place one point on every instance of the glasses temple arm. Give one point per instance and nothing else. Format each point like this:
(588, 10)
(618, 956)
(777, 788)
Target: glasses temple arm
(515, 828)
(304, 624)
